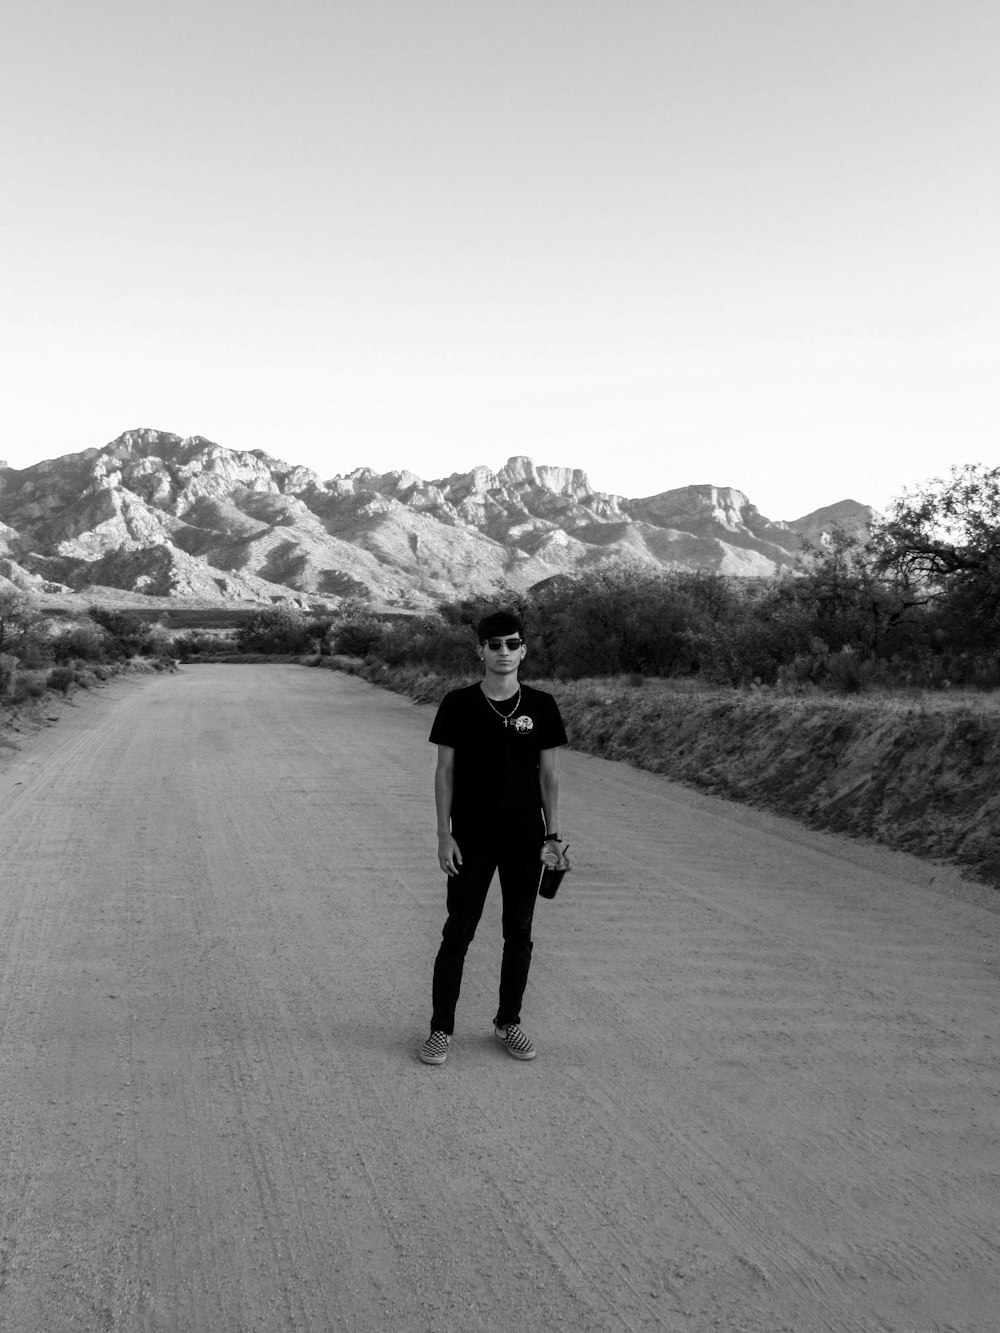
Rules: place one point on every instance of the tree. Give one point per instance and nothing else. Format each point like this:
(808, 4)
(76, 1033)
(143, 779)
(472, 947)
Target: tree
(942, 543)
(17, 613)
(620, 619)
(765, 626)
(127, 631)
(23, 628)
(848, 601)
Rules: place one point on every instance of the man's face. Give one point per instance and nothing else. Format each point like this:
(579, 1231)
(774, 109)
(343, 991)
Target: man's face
(503, 653)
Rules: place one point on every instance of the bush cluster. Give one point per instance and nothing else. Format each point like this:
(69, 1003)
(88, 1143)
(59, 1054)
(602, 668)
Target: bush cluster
(283, 629)
(280, 631)
(38, 653)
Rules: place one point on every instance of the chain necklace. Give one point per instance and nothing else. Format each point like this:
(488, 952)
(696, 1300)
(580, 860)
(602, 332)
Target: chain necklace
(505, 718)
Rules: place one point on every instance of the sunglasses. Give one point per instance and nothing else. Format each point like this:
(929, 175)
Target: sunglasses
(494, 645)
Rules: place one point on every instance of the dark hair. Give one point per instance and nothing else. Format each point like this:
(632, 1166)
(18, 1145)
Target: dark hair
(499, 622)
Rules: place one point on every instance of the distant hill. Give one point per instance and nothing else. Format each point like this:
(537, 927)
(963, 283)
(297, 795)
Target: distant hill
(156, 514)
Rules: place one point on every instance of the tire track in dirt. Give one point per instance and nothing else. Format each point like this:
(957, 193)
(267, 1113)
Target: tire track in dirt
(766, 1096)
(799, 1009)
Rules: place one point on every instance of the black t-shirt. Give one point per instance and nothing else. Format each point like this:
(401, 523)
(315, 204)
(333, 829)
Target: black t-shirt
(497, 796)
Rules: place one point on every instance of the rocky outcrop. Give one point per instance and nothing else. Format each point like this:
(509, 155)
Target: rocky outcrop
(849, 516)
(160, 515)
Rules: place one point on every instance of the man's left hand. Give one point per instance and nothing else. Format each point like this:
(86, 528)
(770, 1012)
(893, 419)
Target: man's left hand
(553, 855)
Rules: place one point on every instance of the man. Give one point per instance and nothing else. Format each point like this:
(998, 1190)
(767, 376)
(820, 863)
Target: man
(496, 790)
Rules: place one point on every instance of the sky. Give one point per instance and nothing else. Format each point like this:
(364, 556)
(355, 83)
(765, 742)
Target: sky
(751, 243)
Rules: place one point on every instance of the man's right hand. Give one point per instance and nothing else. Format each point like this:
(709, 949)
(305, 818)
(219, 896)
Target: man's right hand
(449, 856)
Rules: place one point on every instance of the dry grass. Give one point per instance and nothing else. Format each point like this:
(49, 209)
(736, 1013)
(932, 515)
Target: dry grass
(977, 703)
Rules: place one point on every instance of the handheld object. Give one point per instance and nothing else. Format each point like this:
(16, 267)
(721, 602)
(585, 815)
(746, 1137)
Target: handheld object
(552, 876)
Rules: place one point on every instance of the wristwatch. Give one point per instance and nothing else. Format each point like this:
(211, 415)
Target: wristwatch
(552, 837)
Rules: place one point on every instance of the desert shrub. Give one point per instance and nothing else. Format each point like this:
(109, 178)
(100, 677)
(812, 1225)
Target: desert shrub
(25, 685)
(158, 642)
(87, 642)
(280, 629)
(442, 643)
(31, 685)
(846, 671)
(127, 632)
(202, 643)
(35, 654)
(8, 674)
(62, 678)
(985, 673)
(357, 638)
(443, 646)
(319, 627)
(806, 668)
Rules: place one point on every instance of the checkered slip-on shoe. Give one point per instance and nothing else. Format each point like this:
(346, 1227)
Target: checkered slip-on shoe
(435, 1049)
(518, 1044)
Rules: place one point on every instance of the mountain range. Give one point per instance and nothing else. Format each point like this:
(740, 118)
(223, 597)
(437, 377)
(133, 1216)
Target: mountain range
(154, 514)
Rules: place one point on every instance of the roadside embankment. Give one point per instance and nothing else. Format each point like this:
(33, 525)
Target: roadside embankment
(43, 694)
(921, 774)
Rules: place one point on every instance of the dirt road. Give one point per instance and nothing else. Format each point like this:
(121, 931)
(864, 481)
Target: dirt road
(767, 1094)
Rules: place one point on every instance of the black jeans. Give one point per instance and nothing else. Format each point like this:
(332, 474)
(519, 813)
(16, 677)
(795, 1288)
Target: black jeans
(519, 873)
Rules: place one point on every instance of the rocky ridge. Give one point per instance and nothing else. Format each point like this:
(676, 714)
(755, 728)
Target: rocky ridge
(155, 514)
